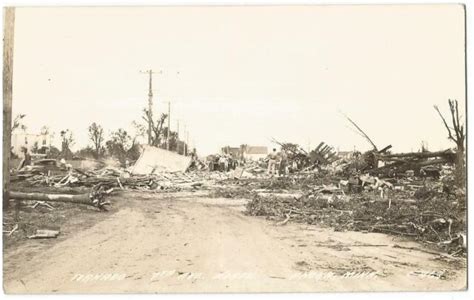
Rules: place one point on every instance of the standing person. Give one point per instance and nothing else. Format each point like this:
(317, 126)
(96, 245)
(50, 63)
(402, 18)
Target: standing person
(283, 162)
(272, 160)
(222, 163)
(226, 162)
(26, 161)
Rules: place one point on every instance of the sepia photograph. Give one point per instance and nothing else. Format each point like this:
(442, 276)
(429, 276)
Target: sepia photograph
(234, 149)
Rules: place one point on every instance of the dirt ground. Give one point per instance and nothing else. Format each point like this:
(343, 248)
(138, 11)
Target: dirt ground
(189, 242)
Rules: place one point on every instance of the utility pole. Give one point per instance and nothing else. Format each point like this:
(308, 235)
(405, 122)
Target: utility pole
(150, 105)
(150, 102)
(169, 124)
(187, 141)
(177, 136)
(8, 39)
(184, 141)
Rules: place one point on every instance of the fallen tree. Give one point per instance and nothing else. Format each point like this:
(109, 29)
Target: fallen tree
(94, 198)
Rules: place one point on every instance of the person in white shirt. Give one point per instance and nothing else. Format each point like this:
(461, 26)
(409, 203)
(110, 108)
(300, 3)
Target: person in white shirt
(272, 160)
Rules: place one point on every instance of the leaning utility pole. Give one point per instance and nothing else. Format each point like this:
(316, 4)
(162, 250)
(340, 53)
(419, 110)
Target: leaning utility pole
(8, 41)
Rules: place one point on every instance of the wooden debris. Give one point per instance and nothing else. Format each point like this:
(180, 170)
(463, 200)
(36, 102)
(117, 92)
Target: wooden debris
(42, 203)
(10, 232)
(44, 234)
(284, 221)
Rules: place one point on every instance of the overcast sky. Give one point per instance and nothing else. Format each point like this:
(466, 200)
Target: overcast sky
(246, 74)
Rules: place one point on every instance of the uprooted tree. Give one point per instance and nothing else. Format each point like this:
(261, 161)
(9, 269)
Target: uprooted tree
(457, 135)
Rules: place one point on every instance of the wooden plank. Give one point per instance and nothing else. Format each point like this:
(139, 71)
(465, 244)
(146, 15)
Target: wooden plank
(319, 146)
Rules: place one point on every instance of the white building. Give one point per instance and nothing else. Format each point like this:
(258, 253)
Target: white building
(255, 152)
(30, 141)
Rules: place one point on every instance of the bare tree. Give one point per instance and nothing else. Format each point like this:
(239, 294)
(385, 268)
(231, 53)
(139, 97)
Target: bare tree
(457, 135)
(96, 135)
(139, 131)
(67, 140)
(44, 130)
(119, 145)
(157, 127)
(17, 122)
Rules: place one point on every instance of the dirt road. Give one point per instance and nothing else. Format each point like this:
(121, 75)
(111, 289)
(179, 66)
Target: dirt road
(190, 243)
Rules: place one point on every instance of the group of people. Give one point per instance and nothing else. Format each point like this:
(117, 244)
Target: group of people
(278, 163)
(223, 163)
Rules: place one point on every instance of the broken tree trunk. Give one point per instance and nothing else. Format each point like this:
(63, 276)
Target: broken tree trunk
(444, 153)
(95, 198)
(82, 198)
(361, 132)
(402, 166)
(385, 149)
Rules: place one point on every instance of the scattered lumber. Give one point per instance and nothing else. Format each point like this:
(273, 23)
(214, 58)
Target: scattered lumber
(10, 232)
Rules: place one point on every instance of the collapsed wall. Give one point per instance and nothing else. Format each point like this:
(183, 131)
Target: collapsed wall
(155, 160)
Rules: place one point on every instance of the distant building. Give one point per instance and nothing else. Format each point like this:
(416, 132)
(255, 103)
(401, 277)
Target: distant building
(254, 152)
(345, 154)
(29, 141)
(232, 151)
(246, 152)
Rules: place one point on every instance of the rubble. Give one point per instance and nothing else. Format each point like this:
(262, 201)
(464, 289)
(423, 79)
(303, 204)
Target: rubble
(432, 219)
(405, 194)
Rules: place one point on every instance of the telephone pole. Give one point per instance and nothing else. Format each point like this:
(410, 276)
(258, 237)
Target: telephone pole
(184, 141)
(150, 105)
(187, 141)
(169, 124)
(8, 38)
(150, 102)
(177, 136)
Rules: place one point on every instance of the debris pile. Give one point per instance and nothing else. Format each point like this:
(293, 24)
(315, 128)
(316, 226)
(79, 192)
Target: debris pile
(434, 219)
(122, 179)
(418, 162)
(301, 160)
